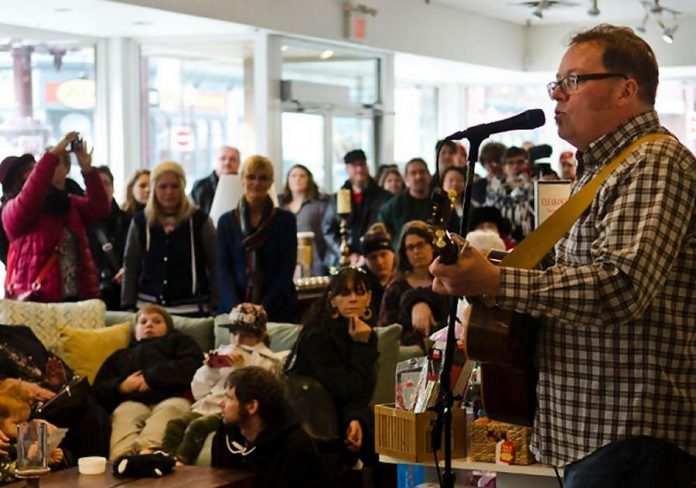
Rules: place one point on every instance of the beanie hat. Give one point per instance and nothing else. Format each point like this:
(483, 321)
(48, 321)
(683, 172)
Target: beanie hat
(249, 318)
(480, 215)
(168, 167)
(376, 241)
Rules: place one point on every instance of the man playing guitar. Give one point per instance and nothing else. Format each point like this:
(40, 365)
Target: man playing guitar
(616, 349)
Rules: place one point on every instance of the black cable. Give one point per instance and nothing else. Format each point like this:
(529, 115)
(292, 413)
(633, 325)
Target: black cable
(558, 477)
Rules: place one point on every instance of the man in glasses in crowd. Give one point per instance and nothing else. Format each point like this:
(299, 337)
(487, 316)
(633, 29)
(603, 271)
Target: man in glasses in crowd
(616, 349)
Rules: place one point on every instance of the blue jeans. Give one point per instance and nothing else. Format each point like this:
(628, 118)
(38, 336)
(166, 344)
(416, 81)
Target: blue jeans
(640, 462)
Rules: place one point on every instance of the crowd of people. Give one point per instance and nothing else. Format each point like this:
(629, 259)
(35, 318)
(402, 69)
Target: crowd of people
(161, 254)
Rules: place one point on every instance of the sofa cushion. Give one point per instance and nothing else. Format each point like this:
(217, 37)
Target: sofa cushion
(46, 319)
(200, 329)
(388, 341)
(85, 350)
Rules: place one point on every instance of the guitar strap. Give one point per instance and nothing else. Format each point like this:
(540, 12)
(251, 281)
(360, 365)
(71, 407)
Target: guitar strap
(529, 253)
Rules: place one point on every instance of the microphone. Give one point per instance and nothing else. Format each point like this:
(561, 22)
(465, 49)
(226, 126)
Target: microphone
(529, 119)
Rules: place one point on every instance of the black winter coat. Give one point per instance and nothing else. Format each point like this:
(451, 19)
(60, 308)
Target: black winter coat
(360, 219)
(347, 369)
(283, 457)
(168, 364)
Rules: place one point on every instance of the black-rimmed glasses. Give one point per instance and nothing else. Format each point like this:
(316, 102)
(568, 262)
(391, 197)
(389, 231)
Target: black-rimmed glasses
(569, 84)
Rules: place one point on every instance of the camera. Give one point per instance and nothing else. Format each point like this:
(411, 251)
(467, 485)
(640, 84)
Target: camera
(76, 145)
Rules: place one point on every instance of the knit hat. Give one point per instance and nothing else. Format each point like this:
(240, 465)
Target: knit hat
(376, 241)
(480, 215)
(249, 318)
(168, 167)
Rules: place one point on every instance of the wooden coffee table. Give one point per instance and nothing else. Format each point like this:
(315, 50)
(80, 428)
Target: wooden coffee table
(182, 477)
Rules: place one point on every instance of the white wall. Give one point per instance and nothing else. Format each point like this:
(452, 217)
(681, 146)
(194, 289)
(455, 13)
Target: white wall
(410, 26)
(546, 44)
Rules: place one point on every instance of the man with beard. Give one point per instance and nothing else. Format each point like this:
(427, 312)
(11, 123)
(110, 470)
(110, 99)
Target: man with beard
(257, 433)
(366, 200)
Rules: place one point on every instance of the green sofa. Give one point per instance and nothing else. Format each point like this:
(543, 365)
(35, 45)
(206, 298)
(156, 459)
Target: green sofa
(209, 335)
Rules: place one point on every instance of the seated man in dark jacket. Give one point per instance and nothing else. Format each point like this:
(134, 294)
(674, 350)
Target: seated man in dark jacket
(257, 433)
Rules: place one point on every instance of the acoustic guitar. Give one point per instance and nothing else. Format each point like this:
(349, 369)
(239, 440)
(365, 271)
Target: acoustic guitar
(500, 340)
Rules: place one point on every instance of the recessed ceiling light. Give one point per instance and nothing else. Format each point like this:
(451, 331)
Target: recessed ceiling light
(62, 10)
(284, 48)
(326, 54)
(142, 22)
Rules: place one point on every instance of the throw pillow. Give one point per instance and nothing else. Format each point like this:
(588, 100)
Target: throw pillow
(388, 342)
(85, 350)
(45, 319)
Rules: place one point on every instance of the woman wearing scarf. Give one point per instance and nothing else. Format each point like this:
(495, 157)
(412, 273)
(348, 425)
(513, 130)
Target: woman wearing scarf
(170, 250)
(257, 248)
(49, 258)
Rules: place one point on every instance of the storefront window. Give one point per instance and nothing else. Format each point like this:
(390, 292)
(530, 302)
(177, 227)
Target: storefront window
(45, 91)
(192, 107)
(415, 122)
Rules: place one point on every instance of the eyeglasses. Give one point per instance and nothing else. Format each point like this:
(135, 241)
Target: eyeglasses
(418, 246)
(569, 84)
(261, 178)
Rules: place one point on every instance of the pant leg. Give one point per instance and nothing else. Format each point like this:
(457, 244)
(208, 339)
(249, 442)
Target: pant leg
(126, 423)
(89, 435)
(195, 436)
(639, 462)
(174, 433)
(152, 434)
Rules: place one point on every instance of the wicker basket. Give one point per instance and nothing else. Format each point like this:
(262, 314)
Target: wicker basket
(406, 435)
(484, 437)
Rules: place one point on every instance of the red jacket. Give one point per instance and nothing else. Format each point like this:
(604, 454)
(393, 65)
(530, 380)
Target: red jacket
(33, 233)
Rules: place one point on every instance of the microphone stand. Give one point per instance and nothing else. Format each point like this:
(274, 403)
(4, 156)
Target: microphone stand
(446, 398)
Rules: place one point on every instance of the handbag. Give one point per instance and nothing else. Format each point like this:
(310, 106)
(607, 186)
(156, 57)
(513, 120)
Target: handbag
(313, 407)
(28, 294)
(66, 405)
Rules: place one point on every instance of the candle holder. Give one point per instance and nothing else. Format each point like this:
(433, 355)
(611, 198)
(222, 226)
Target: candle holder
(345, 248)
(32, 458)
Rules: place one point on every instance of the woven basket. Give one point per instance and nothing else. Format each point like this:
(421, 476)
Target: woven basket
(485, 436)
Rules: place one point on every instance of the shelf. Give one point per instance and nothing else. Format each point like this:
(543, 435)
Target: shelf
(468, 464)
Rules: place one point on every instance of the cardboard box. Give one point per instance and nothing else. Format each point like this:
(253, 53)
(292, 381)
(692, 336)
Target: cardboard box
(406, 435)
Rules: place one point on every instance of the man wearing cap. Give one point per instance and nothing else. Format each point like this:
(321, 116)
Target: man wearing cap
(366, 200)
(257, 433)
(375, 247)
(412, 204)
(227, 163)
(568, 165)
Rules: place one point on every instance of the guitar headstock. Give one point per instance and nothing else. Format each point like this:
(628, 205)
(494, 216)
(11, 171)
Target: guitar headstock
(442, 208)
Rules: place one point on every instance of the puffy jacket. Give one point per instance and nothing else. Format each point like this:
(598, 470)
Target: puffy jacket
(34, 233)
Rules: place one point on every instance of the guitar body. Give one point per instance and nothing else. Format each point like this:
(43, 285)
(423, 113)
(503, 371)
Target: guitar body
(503, 343)
(500, 340)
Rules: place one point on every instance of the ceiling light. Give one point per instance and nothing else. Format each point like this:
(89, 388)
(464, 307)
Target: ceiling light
(284, 48)
(326, 54)
(641, 28)
(538, 13)
(594, 10)
(657, 8)
(668, 34)
(62, 10)
(142, 22)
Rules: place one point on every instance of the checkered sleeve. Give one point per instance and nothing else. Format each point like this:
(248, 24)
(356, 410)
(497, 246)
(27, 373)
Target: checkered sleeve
(643, 211)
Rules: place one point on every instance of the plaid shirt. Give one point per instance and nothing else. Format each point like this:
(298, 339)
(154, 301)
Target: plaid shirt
(617, 345)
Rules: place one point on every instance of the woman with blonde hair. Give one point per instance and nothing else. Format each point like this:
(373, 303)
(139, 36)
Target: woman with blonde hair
(137, 192)
(170, 251)
(257, 248)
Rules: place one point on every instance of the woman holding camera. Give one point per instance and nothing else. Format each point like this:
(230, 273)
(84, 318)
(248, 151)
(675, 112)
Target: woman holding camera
(170, 250)
(49, 258)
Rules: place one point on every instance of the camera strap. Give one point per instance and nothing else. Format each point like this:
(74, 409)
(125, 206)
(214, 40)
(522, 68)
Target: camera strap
(107, 247)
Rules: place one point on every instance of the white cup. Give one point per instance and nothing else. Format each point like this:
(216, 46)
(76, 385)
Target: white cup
(91, 465)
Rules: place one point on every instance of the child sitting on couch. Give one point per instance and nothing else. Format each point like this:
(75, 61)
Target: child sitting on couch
(148, 383)
(15, 408)
(248, 346)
